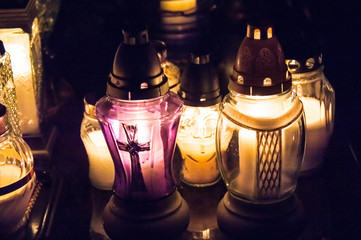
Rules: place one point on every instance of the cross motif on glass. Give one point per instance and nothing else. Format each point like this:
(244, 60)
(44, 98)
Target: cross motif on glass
(133, 148)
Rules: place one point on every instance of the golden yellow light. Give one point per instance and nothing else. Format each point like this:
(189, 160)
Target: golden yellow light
(177, 5)
(25, 54)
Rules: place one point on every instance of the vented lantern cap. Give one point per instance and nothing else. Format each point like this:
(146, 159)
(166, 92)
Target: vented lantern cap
(260, 67)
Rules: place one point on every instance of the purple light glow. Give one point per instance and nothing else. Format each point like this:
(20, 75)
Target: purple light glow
(141, 139)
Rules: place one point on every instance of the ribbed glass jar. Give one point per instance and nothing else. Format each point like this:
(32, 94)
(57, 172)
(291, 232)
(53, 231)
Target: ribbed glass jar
(260, 145)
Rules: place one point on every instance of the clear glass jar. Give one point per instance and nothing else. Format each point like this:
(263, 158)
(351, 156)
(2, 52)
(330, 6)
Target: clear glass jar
(17, 178)
(196, 142)
(260, 145)
(7, 89)
(318, 98)
(141, 136)
(101, 166)
(199, 89)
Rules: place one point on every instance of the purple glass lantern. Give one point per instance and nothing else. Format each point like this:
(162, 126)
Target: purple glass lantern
(139, 118)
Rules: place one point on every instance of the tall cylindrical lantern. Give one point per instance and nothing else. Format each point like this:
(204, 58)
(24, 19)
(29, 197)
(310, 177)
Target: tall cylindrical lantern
(318, 98)
(260, 142)
(19, 30)
(139, 118)
(22, 24)
(7, 90)
(199, 89)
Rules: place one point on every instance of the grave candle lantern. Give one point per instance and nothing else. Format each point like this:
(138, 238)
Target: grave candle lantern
(318, 98)
(139, 118)
(199, 89)
(23, 26)
(260, 142)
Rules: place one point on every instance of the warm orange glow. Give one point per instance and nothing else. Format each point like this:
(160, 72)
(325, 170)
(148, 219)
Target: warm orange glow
(257, 34)
(17, 43)
(317, 133)
(101, 167)
(177, 5)
(196, 141)
(269, 33)
(14, 204)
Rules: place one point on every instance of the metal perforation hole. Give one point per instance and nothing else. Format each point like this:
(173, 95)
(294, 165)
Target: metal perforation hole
(144, 85)
(257, 34)
(294, 65)
(267, 82)
(269, 32)
(310, 63)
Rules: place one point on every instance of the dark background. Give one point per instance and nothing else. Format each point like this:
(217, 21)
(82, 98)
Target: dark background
(88, 32)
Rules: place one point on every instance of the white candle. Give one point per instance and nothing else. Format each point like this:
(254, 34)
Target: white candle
(317, 135)
(17, 43)
(177, 5)
(101, 167)
(14, 204)
(247, 180)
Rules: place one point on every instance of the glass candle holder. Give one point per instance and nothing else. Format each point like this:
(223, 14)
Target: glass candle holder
(318, 98)
(17, 178)
(260, 141)
(22, 26)
(141, 138)
(199, 89)
(264, 139)
(139, 118)
(101, 166)
(7, 89)
(22, 40)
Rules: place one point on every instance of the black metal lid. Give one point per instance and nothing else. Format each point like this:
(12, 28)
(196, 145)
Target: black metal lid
(2, 49)
(305, 56)
(260, 67)
(199, 84)
(136, 74)
(161, 48)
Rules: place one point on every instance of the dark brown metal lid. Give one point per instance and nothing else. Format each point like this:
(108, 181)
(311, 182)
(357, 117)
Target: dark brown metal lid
(260, 67)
